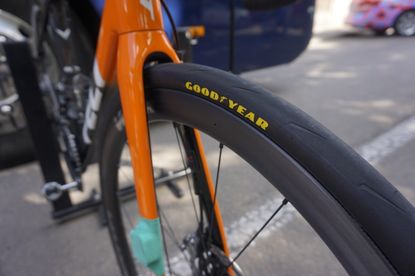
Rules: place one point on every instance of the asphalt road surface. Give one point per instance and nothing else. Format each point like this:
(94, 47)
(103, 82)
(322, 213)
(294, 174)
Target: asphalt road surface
(361, 87)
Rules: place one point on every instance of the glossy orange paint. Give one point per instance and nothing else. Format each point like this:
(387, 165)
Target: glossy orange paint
(122, 17)
(133, 49)
(132, 30)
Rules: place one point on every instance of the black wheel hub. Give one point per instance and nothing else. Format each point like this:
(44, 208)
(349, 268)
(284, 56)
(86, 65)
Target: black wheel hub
(206, 260)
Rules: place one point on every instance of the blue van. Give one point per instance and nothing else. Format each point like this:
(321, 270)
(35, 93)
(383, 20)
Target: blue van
(262, 38)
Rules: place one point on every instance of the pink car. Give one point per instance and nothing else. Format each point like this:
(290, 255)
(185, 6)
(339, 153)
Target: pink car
(379, 15)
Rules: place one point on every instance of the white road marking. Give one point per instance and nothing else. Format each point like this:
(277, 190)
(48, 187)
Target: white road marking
(388, 142)
(242, 230)
(374, 151)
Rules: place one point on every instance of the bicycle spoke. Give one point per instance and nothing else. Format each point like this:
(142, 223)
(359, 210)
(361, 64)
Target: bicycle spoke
(121, 164)
(187, 176)
(130, 222)
(129, 179)
(284, 202)
(212, 211)
(171, 234)
(124, 210)
(164, 243)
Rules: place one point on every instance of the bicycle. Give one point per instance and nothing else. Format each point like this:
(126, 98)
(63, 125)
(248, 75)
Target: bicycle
(361, 217)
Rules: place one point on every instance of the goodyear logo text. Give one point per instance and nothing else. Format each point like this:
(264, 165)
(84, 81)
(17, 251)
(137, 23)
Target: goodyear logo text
(229, 103)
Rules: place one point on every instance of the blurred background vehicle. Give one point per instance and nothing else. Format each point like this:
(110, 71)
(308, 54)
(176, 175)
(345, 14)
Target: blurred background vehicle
(380, 15)
(283, 34)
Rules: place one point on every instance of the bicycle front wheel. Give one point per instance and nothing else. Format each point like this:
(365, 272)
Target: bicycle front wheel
(362, 218)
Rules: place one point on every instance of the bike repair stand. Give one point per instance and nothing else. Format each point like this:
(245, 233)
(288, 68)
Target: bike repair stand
(20, 61)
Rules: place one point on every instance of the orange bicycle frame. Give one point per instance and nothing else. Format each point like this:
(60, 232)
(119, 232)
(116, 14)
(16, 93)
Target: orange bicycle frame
(131, 31)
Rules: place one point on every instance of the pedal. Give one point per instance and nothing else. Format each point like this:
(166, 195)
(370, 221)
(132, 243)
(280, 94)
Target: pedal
(53, 190)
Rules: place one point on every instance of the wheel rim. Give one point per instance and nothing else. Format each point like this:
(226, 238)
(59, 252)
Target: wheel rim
(406, 24)
(184, 261)
(130, 220)
(180, 264)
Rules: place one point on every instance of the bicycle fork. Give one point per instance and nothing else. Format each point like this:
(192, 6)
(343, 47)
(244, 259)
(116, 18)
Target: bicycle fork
(126, 46)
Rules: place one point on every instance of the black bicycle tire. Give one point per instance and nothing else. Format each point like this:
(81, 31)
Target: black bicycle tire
(365, 221)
